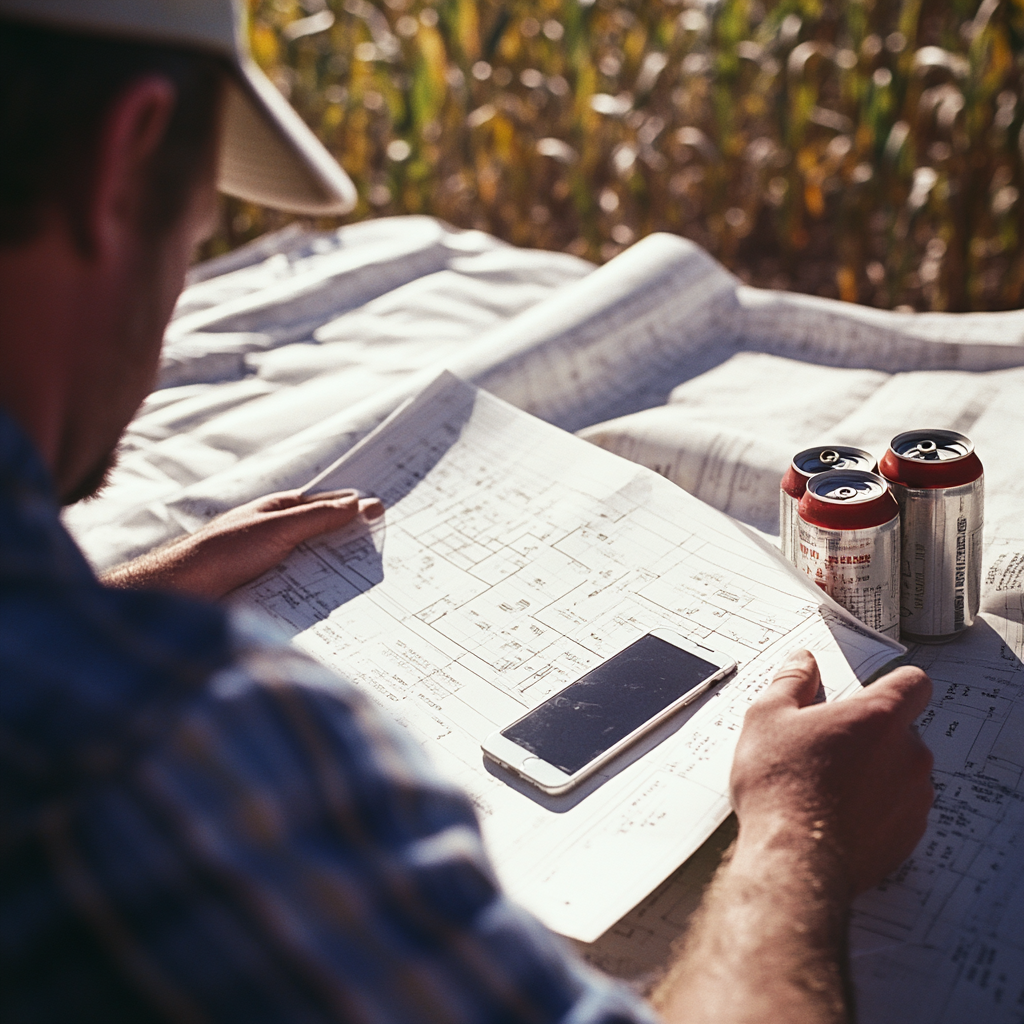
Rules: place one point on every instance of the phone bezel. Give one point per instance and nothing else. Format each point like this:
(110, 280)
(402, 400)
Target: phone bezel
(554, 781)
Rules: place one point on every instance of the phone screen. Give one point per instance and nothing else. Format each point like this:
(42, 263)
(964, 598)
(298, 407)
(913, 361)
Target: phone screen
(582, 721)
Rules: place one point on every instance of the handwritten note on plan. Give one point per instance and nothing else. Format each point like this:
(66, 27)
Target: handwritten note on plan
(511, 558)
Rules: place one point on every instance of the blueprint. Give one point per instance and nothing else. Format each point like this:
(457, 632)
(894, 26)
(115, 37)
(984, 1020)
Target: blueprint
(942, 940)
(511, 558)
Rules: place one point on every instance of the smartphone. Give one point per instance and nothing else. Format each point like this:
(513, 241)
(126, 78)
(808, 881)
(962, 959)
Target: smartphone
(569, 736)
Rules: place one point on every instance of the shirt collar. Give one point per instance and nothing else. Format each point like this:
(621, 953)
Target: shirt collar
(33, 543)
(19, 459)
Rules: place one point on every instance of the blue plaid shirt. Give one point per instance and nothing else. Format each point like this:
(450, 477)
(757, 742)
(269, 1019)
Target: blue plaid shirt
(197, 823)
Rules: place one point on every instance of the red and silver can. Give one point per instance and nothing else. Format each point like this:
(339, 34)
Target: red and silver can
(848, 542)
(939, 483)
(806, 464)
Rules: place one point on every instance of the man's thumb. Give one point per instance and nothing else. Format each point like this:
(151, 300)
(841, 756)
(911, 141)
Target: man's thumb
(797, 681)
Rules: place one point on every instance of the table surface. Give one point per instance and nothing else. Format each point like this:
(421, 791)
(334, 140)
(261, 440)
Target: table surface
(273, 346)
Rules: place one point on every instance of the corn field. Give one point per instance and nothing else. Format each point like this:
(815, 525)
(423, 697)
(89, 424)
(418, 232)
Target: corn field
(869, 150)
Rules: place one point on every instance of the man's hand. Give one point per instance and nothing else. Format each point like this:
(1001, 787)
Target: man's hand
(239, 545)
(851, 779)
(830, 797)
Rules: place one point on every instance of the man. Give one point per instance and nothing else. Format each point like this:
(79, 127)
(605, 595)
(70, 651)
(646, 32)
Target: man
(199, 823)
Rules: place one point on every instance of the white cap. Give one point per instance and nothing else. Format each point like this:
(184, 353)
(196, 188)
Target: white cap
(268, 154)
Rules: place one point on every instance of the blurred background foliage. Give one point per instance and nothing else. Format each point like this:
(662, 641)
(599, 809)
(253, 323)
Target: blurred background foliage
(870, 150)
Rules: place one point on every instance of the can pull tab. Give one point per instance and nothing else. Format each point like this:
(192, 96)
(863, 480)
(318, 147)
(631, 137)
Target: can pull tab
(827, 457)
(844, 493)
(924, 449)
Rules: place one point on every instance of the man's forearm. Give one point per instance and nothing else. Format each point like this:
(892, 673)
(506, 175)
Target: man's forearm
(769, 942)
(147, 570)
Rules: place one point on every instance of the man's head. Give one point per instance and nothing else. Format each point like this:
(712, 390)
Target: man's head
(119, 119)
(106, 186)
(56, 89)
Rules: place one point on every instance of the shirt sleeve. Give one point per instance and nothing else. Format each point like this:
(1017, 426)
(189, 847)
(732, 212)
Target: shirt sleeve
(295, 858)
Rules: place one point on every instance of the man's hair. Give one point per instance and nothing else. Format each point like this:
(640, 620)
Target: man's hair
(55, 91)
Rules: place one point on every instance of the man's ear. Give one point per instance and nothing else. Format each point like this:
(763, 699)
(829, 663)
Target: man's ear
(132, 131)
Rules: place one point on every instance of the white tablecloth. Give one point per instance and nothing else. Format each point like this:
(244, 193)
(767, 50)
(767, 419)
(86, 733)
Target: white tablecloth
(283, 354)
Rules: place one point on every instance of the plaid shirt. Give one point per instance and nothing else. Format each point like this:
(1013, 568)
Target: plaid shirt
(197, 823)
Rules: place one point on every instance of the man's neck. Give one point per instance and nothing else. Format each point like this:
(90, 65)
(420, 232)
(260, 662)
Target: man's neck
(38, 299)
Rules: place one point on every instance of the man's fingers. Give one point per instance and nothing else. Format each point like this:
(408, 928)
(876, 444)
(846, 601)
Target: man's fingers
(290, 499)
(371, 508)
(906, 691)
(326, 512)
(305, 521)
(795, 684)
(346, 492)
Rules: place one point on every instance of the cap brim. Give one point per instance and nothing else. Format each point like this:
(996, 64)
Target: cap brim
(269, 156)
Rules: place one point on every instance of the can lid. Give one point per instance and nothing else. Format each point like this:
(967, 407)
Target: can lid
(819, 459)
(932, 445)
(847, 486)
(931, 458)
(848, 499)
(825, 457)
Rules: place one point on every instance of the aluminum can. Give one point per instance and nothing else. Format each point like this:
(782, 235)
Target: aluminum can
(806, 464)
(939, 483)
(848, 542)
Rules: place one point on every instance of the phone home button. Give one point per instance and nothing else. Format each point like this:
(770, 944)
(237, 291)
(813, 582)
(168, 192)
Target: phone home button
(541, 773)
